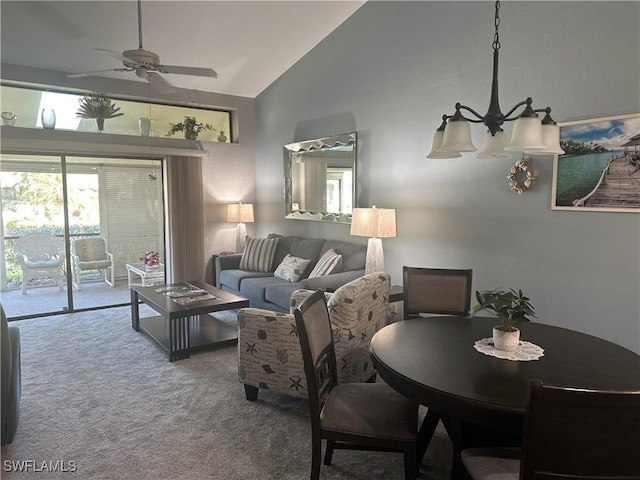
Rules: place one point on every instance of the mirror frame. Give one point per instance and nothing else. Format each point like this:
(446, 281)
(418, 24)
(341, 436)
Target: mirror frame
(317, 144)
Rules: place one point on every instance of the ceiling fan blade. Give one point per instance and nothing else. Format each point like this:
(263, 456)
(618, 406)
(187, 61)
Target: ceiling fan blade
(201, 72)
(87, 74)
(110, 53)
(160, 83)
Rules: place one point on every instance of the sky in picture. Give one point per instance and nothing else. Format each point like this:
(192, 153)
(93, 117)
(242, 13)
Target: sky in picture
(610, 134)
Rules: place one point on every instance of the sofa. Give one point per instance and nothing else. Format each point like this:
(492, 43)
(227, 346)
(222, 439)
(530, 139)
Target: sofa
(11, 379)
(269, 286)
(269, 352)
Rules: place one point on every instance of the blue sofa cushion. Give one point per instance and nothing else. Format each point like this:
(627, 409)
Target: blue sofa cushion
(255, 287)
(233, 278)
(283, 248)
(280, 293)
(353, 256)
(308, 248)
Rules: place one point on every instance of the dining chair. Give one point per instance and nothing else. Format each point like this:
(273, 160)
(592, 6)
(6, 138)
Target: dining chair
(569, 433)
(353, 416)
(436, 290)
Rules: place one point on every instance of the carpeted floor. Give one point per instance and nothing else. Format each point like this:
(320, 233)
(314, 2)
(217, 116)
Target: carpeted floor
(103, 400)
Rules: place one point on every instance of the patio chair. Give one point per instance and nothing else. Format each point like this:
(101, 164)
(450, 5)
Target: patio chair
(91, 254)
(40, 254)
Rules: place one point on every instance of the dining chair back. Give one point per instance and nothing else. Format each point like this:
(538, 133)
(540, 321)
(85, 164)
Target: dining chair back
(569, 433)
(436, 290)
(355, 416)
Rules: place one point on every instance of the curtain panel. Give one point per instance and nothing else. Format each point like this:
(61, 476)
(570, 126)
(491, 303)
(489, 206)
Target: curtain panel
(186, 219)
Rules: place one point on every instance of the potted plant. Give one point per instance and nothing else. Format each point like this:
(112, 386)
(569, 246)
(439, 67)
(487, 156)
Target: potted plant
(151, 260)
(98, 107)
(190, 126)
(511, 307)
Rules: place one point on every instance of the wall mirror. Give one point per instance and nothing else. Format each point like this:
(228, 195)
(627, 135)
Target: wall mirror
(320, 179)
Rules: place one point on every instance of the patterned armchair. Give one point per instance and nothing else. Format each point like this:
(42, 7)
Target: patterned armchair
(269, 354)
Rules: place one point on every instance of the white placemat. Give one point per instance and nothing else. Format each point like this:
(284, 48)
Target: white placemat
(526, 351)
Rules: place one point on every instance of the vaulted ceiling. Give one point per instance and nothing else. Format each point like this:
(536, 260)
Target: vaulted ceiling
(248, 43)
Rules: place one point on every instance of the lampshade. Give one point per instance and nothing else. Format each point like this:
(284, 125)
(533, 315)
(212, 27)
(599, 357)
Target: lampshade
(435, 145)
(240, 213)
(374, 222)
(457, 137)
(551, 138)
(526, 135)
(493, 146)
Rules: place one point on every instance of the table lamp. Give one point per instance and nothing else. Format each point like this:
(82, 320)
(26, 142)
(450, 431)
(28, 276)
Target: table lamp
(240, 213)
(375, 223)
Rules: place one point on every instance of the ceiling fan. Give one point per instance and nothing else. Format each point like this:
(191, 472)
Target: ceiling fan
(146, 64)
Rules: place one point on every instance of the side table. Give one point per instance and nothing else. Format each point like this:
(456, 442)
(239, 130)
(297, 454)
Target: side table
(148, 277)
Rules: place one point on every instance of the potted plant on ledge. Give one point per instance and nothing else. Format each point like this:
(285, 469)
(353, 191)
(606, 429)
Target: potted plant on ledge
(190, 126)
(511, 308)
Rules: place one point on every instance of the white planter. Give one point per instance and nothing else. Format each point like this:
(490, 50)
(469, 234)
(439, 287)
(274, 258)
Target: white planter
(505, 341)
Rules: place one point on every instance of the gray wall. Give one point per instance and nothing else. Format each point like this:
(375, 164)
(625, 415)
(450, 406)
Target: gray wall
(390, 72)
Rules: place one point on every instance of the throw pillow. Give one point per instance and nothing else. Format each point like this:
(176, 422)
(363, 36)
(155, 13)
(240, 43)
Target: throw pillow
(291, 268)
(328, 263)
(258, 254)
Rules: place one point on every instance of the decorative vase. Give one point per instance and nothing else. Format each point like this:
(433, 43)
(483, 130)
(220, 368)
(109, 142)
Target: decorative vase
(504, 340)
(100, 124)
(145, 126)
(190, 135)
(48, 117)
(8, 119)
(151, 268)
(222, 137)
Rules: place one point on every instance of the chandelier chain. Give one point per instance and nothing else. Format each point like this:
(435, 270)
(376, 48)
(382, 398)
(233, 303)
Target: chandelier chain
(496, 36)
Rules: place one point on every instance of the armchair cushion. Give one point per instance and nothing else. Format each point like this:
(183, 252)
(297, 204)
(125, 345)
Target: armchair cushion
(44, 263)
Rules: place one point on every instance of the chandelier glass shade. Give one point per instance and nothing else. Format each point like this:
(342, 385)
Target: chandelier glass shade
(529, 134)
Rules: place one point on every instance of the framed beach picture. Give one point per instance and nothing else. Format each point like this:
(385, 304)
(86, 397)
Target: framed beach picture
(600, 169)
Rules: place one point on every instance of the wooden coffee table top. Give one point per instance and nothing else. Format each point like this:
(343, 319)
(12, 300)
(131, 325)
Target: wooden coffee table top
(171, 309)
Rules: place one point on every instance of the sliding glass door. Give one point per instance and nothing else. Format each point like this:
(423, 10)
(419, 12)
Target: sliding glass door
(74, 229)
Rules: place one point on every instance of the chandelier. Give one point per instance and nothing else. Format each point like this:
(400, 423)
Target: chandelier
(529, 134)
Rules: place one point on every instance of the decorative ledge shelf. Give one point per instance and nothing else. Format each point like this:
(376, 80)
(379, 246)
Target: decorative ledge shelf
(35, 140)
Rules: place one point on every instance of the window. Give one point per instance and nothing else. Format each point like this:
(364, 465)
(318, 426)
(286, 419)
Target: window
(27, 104)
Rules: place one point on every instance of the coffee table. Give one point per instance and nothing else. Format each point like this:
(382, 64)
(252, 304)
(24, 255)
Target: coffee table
(182, 329)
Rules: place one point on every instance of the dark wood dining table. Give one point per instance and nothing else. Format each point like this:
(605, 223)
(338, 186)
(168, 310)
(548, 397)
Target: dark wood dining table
(482, 399)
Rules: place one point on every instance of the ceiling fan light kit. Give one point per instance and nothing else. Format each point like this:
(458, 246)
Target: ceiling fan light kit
(529, 134)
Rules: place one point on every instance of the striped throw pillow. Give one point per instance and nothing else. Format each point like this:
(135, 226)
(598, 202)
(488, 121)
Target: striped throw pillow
(328, 262)
(258, 254)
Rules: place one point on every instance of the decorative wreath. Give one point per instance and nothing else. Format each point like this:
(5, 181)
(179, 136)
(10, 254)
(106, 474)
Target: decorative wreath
(522, 166)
